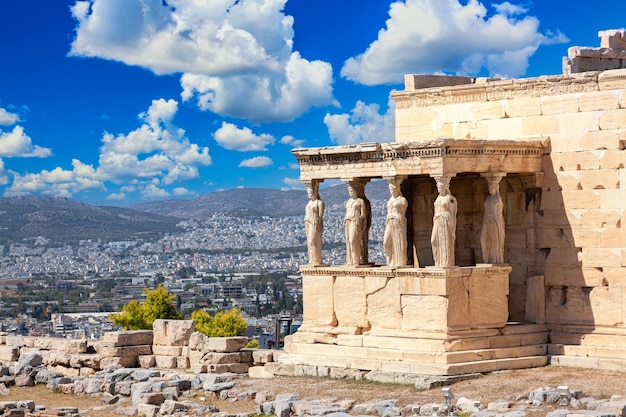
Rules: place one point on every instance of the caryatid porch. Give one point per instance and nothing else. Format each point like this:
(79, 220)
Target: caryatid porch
(441, 307)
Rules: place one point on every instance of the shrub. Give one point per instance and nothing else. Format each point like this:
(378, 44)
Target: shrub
(223, 324)
(158, 305)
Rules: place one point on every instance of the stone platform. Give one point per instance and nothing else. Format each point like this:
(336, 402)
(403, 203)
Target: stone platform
(426, 321)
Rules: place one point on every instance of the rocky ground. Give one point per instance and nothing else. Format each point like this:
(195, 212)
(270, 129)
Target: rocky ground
(512, 393)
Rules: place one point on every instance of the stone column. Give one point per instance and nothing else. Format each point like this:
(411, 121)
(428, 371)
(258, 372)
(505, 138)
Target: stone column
(444, 223)
(492, 232)
(357, 222)
(395, 239)
(314, 223)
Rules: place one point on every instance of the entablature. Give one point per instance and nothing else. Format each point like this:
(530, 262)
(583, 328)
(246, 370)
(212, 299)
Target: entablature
(436, 157)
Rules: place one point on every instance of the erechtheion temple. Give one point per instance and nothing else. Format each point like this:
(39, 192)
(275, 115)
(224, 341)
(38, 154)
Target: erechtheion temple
(504, 239)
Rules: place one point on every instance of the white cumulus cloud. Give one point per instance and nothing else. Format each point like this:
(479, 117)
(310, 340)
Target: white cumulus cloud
(365, 123)
(231, 137)
(430, 36)
(16, 143)
(256, 162)
(236, 56)
(8, 119)
(116, 196)
(154, 155)
(291, 141)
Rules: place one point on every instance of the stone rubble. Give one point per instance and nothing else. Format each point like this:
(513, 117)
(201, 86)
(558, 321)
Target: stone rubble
(160, 393)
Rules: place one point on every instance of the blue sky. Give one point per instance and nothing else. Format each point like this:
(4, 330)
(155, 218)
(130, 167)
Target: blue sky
(114, 102)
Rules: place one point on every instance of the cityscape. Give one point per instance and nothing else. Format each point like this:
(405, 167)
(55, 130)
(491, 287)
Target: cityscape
(223, 261)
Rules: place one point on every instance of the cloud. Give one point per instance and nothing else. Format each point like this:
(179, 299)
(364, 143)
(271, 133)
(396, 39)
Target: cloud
(8, 119)
(152, 191)
(155, 154)
(364, 124)
(233, 138)
(116, 196)
(18, 144)
(430, 36)
(293, 183)
(256, 162)
(236, 56)
(182, 191)
(291, 141)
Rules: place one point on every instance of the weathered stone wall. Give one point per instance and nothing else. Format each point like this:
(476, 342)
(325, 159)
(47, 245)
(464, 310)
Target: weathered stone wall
(567, 227)
(172, 344)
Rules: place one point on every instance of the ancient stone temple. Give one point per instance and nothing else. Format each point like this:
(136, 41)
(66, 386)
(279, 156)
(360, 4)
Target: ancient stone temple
(503, 235)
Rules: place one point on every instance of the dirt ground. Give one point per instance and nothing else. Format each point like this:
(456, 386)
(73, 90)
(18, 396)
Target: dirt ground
(508, 385)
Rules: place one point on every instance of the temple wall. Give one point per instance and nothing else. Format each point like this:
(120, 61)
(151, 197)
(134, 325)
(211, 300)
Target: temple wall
(568, 228)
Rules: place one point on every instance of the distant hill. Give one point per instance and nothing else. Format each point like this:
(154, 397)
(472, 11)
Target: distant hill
(255, 201)
(67, 220)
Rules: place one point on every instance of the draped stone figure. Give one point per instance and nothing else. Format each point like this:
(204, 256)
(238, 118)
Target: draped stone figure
(444, 225)
(395, 240)
(492, 233)
(353, 225)
(314, 224)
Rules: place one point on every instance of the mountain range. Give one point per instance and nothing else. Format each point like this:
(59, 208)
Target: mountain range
(66, 220)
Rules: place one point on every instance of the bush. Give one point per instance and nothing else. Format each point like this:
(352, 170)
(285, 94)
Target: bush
(253, 344)
(158, 305)
(223, 324)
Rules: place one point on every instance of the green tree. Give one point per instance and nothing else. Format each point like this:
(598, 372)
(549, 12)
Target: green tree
(158, 305)
(223, 324)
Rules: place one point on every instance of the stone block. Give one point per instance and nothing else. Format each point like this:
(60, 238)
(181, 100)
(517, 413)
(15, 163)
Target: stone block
(535, 300)
(127, 338)
(602, 257)
(576, 161)
(601, 140)
(182, 362)
(473, 129)
(614, 158)
(488, 303)
(540, 125)
(9, 353)
(226, 344)
(453, 113)
(582, 199)
(317, 294)
(601, 218)
(612, 199)
(505, 128)
(613, 238)
(166, 350)
(124, 361)
(350, 302)
(599, 100)
(383, 301)
(606, 306)
(487, 110)
(262, 356)
(172, 332)
(559, 104)
(259, 372)
(146, 361)
(613, 119)
(165, 362)
(106, 351)
(423, 312)
(523, 107)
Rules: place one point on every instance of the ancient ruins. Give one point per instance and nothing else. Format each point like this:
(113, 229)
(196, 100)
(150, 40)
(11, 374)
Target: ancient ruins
(504, 243)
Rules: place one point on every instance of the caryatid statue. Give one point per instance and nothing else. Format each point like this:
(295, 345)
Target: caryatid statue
(353, 224)
(444, 224)
(492, 233)
(395, 240)
(314, 223)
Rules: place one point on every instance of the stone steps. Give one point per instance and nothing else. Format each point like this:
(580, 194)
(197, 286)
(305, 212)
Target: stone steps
(322, 363)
